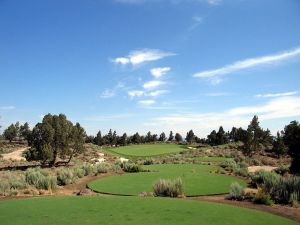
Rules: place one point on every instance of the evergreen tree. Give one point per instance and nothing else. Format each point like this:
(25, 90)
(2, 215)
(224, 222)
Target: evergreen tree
(148, 137)
(25, 131)
(255, 137)
(123, 140)
(11, 132)
(212, 138)
(55, 137)
(190, 137)
(98, 140)
(178, 137)
(278, 145)
(291, 139)
(171, 136)
(136, 139)
(162, 137)
(221, 137)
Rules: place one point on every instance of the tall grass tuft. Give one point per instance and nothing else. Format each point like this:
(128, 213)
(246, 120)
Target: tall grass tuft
(168, 188)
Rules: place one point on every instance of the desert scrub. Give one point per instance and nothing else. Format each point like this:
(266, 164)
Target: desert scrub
(11, 182)
(102, 168)
(131, 167)
(88, 169)
(66, 176)
(40, 179)
(116, 168)
(168, 188)
(282, 170)
(281, 189)
(262, 198)
(148, 161)
(236, 192)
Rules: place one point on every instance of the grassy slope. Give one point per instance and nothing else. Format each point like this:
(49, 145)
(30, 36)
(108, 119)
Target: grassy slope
(147, 150)
(128, 211)
(197, 180)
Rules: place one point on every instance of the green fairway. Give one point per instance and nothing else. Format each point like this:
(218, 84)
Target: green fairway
(147, 150)
(128, 211)
(213, 159)
(197, 180)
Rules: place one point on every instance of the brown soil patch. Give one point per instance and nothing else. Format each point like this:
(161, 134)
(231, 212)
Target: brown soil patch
(280, 210)
(15, 155)
(253, 169)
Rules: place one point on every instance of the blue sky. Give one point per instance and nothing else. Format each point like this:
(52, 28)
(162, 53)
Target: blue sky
(159, 65)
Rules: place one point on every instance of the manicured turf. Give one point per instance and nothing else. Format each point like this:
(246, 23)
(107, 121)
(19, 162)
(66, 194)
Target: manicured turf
(213, 159)
(197, 180)
(147, 150)
(128, 211)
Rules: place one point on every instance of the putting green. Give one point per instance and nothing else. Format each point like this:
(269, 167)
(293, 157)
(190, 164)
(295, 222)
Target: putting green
(129, 211)
(197, 180)
(147, 150)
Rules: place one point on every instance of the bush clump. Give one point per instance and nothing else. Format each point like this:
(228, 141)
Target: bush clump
(40, 179)
(66, 176)
(168, 188)
(101, 168)
(88, 169)
(281, 189)
(131, 167)
(262, 198)
(148, 161)
(236, 192)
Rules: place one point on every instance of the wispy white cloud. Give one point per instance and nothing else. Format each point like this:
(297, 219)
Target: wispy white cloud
(111, 92)
(249, 63)
(214, 2)
(272, 95)
(146, 103)
(140, 56)
(153, 84)
(217, 94)
(157, 93)
(278, 108)
(103, 118)
(10, 107)
(197, 21)
(136, 93)
(159, 71)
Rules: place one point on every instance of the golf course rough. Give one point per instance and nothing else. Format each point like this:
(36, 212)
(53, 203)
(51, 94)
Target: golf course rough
(147, 150)
(129, 211)
(197, 180)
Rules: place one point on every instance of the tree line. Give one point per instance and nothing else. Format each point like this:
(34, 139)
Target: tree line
(58, 138)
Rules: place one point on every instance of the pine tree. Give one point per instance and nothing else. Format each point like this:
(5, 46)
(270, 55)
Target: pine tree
(278, 145)
(171, 136)
(162, 137)
(178, 137)
(190, 137)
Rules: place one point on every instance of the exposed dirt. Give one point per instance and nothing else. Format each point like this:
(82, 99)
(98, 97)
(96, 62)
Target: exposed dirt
(15, 155)
(253, 169)
(280, 210)
(80, 187)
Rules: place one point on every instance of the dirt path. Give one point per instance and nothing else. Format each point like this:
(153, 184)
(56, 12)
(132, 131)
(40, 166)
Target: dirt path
(280, 210)
(81, 186)
(15, 155)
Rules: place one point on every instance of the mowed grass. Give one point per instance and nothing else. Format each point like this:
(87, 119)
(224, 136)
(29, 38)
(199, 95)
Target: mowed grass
(147, 150)
(129, 211)
(213, 159)
(197, 180)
